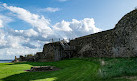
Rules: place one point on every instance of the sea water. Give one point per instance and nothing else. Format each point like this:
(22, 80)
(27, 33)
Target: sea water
(5, 61)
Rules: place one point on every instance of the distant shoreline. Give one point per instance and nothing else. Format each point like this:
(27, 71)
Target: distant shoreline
(6, 60)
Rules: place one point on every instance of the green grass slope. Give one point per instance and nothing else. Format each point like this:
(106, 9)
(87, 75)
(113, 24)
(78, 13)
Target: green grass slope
(87, 69)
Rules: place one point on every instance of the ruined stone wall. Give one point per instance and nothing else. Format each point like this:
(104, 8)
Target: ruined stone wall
(118, 42)
(94, 45)
(125, 43)
(53, 52)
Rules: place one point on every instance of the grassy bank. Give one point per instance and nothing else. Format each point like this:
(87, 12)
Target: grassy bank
(86, 69)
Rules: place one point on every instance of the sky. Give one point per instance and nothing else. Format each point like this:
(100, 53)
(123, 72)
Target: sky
(26, 25)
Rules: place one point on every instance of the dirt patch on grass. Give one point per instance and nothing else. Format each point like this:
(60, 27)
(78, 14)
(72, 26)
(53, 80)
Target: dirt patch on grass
(132, 78)
(42, 69)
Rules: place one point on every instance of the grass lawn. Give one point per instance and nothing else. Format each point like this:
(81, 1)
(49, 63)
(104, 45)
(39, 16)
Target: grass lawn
(85, 69)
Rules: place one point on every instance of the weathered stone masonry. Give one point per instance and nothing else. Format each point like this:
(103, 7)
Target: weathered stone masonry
(118, 42)
(94, 45)
(55, 51)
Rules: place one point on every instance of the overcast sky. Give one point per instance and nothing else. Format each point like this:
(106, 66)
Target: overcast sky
(26, 25)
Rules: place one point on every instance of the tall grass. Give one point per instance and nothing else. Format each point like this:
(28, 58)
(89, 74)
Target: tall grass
(118, 67)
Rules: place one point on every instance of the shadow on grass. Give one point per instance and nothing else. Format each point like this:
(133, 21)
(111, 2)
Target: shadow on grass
(43, 76)
(48, 76)
(28, 76)
(9, 64)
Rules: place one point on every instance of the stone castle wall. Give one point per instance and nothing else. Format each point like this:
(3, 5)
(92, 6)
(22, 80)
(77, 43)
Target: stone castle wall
(51, 51)
(54, 52)
(94, 45)
(125, 43)
(118, 42)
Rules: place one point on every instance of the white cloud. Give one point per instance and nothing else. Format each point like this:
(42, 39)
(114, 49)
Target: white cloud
(2, 39)
(1, 23)
(62, 26)
(19, 42)
(50, 9)
(30, 33)
(10, 53)
(12, 45)
(4, 20)
(39, 22)
(76, 28)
